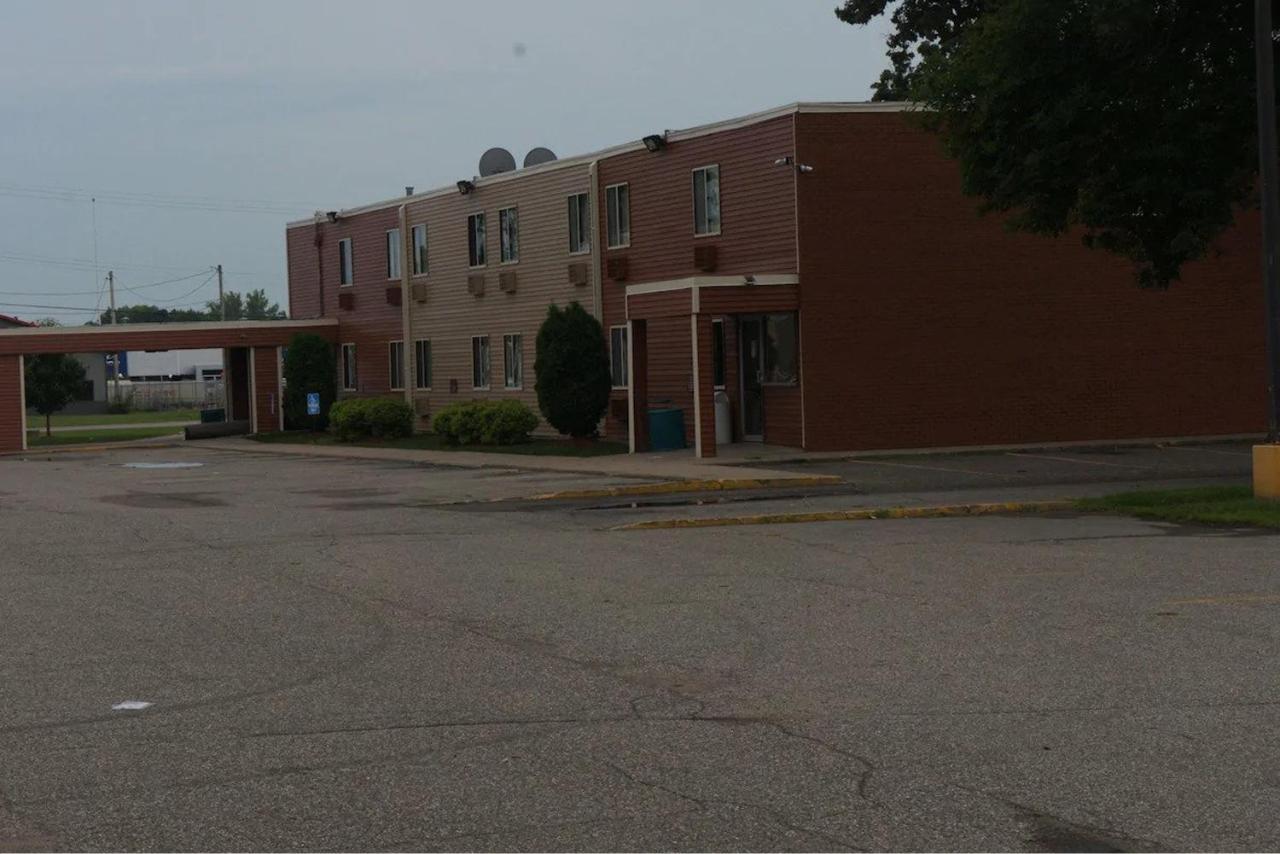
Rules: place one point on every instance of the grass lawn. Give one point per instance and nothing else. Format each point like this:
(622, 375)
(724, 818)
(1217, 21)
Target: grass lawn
(1211, 505)
(61, 420)
(90, 437)
(432, 442)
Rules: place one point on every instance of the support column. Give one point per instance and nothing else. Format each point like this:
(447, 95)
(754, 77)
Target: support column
(638, 384)
(13, 413)
(265, 365)
(704, 409)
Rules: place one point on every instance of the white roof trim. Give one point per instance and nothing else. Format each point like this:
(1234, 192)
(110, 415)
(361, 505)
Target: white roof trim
(634, 145)
(695, 282)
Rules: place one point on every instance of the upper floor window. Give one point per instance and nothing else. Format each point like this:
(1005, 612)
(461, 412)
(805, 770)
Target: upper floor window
(509, 235)
(579, 223)
(617, 201)
(475, 239)
(346, 266)
(706, 200)
(393, 253)
(420, 249)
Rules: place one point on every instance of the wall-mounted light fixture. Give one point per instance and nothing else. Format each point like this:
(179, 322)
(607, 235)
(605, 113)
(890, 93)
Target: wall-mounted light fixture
(654, 142)
(790, 160)
(465, 187)
(332, 215)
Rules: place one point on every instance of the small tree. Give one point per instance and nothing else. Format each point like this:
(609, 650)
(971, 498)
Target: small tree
(52, 381)
(572, 370)
(309, 367)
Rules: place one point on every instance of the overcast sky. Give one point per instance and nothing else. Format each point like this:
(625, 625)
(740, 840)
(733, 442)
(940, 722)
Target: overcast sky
(203, 127)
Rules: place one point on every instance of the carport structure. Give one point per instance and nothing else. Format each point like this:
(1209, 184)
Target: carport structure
(251, 358)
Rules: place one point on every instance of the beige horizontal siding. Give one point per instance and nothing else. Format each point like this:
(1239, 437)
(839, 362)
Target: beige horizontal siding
(451, 315)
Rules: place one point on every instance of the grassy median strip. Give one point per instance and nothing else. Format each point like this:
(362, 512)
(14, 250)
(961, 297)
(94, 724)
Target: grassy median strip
(1210, 505)
(97, 437)
(137, 417)
(944, 511)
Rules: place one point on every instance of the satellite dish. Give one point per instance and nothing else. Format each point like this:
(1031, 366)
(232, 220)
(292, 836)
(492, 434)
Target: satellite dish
(496, 160)
(538, 156)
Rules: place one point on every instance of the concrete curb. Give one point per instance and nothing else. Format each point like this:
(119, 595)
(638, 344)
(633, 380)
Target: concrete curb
(859, 514)
(672, 486)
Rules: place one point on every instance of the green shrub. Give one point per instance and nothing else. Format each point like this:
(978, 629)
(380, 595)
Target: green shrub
(308, 367)
(371, 418)
(572, 370)
(485, 422)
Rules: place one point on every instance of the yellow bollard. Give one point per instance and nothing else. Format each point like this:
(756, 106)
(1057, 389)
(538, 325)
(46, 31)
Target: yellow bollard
(1266, 471)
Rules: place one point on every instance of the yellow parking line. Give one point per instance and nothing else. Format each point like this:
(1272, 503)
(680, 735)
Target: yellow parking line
(859, 514)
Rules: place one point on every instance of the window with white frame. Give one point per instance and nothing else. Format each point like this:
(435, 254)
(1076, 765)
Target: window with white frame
(422, 363)
(508, 235)
(513, 361)
(349, 377)
(579, 223)
(480, 362)
(420, 249)
(618, 356)
(706, 200)
(393, 253)
(617, 201)
(475, 239)
(395, 372)
(346, 266)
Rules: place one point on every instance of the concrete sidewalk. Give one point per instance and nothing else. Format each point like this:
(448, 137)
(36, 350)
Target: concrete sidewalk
(638, 466)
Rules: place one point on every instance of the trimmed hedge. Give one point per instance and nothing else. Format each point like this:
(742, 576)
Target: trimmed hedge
(485, 422)
(370, 418)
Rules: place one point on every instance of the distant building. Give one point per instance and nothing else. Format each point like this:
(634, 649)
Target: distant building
(153, 365)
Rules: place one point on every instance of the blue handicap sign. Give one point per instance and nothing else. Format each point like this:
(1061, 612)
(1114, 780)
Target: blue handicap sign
(313, 403)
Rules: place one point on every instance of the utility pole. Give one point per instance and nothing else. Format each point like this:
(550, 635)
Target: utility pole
(115, 368)
(222, 303)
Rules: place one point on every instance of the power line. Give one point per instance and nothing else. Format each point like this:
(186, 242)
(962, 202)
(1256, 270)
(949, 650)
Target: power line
(98, 292)
(152, 200)
(89, 264)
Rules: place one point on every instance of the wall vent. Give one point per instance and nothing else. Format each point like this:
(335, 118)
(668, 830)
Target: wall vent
(475, 284)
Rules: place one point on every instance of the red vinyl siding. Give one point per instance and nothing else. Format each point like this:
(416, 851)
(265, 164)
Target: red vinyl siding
(757, 236)
(925, 324)
(266, 388)
(372, 323)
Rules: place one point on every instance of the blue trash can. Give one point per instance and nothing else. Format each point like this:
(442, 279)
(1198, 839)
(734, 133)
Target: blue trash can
(666, 429)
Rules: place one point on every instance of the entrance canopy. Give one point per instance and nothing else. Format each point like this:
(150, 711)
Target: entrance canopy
(253, 350)
(159, 336)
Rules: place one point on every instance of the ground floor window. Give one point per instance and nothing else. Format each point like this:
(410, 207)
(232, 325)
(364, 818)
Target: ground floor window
(781, 364)
(717, 353)
(349, 377)
(618, 355)
(422, 363)
(480, 362)
(395, 353)
(513, 361)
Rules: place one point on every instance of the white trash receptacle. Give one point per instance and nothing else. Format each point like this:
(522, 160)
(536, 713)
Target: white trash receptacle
(724, 427)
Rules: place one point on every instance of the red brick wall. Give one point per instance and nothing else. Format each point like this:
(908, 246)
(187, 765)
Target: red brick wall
(372, 323)
(266, 388)
(925, 324)
(10, 403)
(757, 234)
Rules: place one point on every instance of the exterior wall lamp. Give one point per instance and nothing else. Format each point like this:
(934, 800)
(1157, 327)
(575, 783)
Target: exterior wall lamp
(790, 160)
(654, 143)
(332, 215)
(465, 187)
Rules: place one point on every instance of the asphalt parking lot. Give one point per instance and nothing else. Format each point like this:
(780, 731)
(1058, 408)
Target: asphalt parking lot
(336, 656)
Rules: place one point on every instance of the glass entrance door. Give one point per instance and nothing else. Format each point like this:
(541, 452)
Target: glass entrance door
(751, 348)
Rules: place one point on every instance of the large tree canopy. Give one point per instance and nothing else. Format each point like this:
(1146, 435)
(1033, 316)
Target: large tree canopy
(1132, 120)
(254, 305)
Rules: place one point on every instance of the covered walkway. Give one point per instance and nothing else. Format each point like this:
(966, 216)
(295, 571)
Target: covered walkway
(251, 359)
